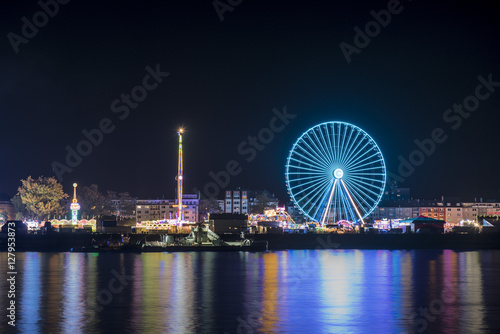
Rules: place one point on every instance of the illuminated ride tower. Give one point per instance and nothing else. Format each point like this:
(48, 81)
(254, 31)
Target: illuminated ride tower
(180, 215)
(75, 207)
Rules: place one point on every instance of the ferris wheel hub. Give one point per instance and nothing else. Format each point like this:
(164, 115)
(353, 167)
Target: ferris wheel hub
(338, 173)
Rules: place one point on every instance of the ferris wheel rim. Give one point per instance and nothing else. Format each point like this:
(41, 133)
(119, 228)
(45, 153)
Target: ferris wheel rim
(358, 174)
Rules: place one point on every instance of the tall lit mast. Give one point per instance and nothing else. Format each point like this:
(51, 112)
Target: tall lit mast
(74, 207)
(180, 216)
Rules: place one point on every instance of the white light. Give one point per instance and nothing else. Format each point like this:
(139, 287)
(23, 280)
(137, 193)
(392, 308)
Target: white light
(180, 177)
(338, 173)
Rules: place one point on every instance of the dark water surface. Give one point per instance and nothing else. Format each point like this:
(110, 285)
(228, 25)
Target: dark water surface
(297, 291)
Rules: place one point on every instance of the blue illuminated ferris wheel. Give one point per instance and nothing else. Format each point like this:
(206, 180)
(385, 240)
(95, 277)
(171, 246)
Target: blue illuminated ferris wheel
(335, 171)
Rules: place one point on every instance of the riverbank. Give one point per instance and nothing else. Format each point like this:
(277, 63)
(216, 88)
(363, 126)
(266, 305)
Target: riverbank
(86, 242)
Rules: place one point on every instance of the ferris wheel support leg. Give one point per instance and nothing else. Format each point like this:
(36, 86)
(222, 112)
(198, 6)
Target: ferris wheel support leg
(327, 209)
(353, 204)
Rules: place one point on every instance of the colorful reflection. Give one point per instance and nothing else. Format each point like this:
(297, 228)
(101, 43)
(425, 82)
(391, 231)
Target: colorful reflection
(317, 291)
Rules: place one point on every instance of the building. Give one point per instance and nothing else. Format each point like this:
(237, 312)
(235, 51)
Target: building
(124, 208)
(471, 210)
(396, 210)
(8, 207)
(163, 209)
(253, 200)
(228, 223)
(426, 225)
(395, 193)
(236, 201)
(452, 213)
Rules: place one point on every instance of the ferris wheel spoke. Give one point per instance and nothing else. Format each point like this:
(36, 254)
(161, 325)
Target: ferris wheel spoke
(328, 143)
(373, 183)
(352, 165)
(368, 186)
(369, 183)
(346, 145)
(343, 203)
(354, 157)
(311, 166)
(354, 150)
(364, 190)
(312, 156)
(350, 147)
(308, 173)
(314, 184)
(324, 144)
(358, 205)
(366, 174)
(356, 191)
(317, 194)
(311, 160)
(352, 201)
(319, 150)
(362, 168)
(312, 178)
(320, 138)
(334, 143)
(327, 208)
(302, 186)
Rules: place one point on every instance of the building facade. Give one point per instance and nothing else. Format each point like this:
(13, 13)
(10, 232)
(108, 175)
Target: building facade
(452, 213)
(164, 209)
(236, 201)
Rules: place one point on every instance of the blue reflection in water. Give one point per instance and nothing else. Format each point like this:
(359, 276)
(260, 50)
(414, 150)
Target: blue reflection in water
(30, 294)
(73, 285)
(299, 291)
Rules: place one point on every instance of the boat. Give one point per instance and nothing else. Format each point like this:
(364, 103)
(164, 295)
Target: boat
(203, 239)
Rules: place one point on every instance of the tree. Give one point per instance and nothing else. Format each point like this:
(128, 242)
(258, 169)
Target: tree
(92, 201)
(210, 205)
(126, 204)
(261, 203)
(4, 216)
(19, 207)
(120, 204)
(43, 197)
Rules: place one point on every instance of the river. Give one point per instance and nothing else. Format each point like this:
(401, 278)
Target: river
(295, 291)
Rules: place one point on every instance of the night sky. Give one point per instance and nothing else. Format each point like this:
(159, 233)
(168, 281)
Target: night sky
(226, 77)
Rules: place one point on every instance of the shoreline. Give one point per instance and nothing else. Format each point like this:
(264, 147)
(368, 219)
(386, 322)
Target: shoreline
(83, 242)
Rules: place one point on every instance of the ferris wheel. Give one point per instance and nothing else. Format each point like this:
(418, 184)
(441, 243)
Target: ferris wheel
(335, 171)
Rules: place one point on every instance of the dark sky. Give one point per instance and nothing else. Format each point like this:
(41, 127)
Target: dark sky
(227, 76)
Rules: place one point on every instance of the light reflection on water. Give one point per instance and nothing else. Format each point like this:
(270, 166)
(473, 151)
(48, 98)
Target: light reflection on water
(299, 291)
